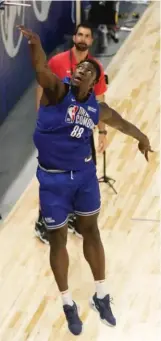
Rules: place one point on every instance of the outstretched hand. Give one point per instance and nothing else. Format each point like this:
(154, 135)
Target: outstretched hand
(144, 147)
(32, 37)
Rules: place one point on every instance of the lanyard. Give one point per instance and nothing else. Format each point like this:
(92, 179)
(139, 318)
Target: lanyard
(70, 57)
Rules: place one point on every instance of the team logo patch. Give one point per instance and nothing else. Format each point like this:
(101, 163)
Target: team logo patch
(92, 109)
(71, 113)
(87, 159)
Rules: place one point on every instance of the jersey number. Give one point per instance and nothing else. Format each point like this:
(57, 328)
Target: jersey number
(77, 132)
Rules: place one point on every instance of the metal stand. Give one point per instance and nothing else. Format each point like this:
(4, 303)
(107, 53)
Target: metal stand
(106, 179)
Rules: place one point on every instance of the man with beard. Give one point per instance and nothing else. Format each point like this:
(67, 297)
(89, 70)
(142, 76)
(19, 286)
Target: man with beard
(63, 65)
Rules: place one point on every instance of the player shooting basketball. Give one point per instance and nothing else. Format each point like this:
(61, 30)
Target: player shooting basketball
(67, 174)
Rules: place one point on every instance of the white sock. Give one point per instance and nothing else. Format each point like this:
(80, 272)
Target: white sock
(100, 289)
(67, 298)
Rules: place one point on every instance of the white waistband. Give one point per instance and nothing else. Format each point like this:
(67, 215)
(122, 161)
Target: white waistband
(52, 170)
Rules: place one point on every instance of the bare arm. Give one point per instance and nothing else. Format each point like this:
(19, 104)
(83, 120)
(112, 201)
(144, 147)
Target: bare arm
(102, 137)
(101, 125)
(39, 92)
(110, 117)
(44, 76)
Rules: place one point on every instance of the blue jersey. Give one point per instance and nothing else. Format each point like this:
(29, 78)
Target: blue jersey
(63, 131)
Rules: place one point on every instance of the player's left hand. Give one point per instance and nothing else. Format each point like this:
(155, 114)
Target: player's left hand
(102, 143)
(144, 147)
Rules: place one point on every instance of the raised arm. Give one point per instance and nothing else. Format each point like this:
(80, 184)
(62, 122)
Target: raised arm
(102, 137)
(39, 92)
(114, 120)
(44, 76)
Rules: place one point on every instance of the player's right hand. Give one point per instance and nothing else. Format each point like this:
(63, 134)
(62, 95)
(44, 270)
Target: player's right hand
(145, 147)
(32, 37)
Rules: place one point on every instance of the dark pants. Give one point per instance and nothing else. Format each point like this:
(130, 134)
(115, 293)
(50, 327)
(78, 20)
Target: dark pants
(103, 14)
(93, 149)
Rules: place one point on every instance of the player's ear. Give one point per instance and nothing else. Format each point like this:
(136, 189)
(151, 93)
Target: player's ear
(92, 39)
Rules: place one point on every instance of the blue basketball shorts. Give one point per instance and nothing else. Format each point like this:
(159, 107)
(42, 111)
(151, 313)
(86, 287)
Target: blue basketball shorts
(64, 193)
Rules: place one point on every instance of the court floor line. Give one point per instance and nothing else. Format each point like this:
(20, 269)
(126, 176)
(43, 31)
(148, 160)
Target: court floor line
(146, 220)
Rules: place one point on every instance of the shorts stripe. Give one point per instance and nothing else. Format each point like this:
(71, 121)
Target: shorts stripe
(87, 213)
(56, 227)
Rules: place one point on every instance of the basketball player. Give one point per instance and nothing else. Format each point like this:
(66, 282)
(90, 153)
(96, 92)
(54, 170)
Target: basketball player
(63, 65)
(67, 174)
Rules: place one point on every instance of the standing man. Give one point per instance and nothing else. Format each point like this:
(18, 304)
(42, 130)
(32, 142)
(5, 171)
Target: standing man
(63, 65)
(66, 172)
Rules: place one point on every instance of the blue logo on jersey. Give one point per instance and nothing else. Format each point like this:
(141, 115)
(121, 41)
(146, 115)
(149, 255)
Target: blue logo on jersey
(71, 113)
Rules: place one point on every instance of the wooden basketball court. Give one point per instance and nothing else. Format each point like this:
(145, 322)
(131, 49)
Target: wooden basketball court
(30, 306)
